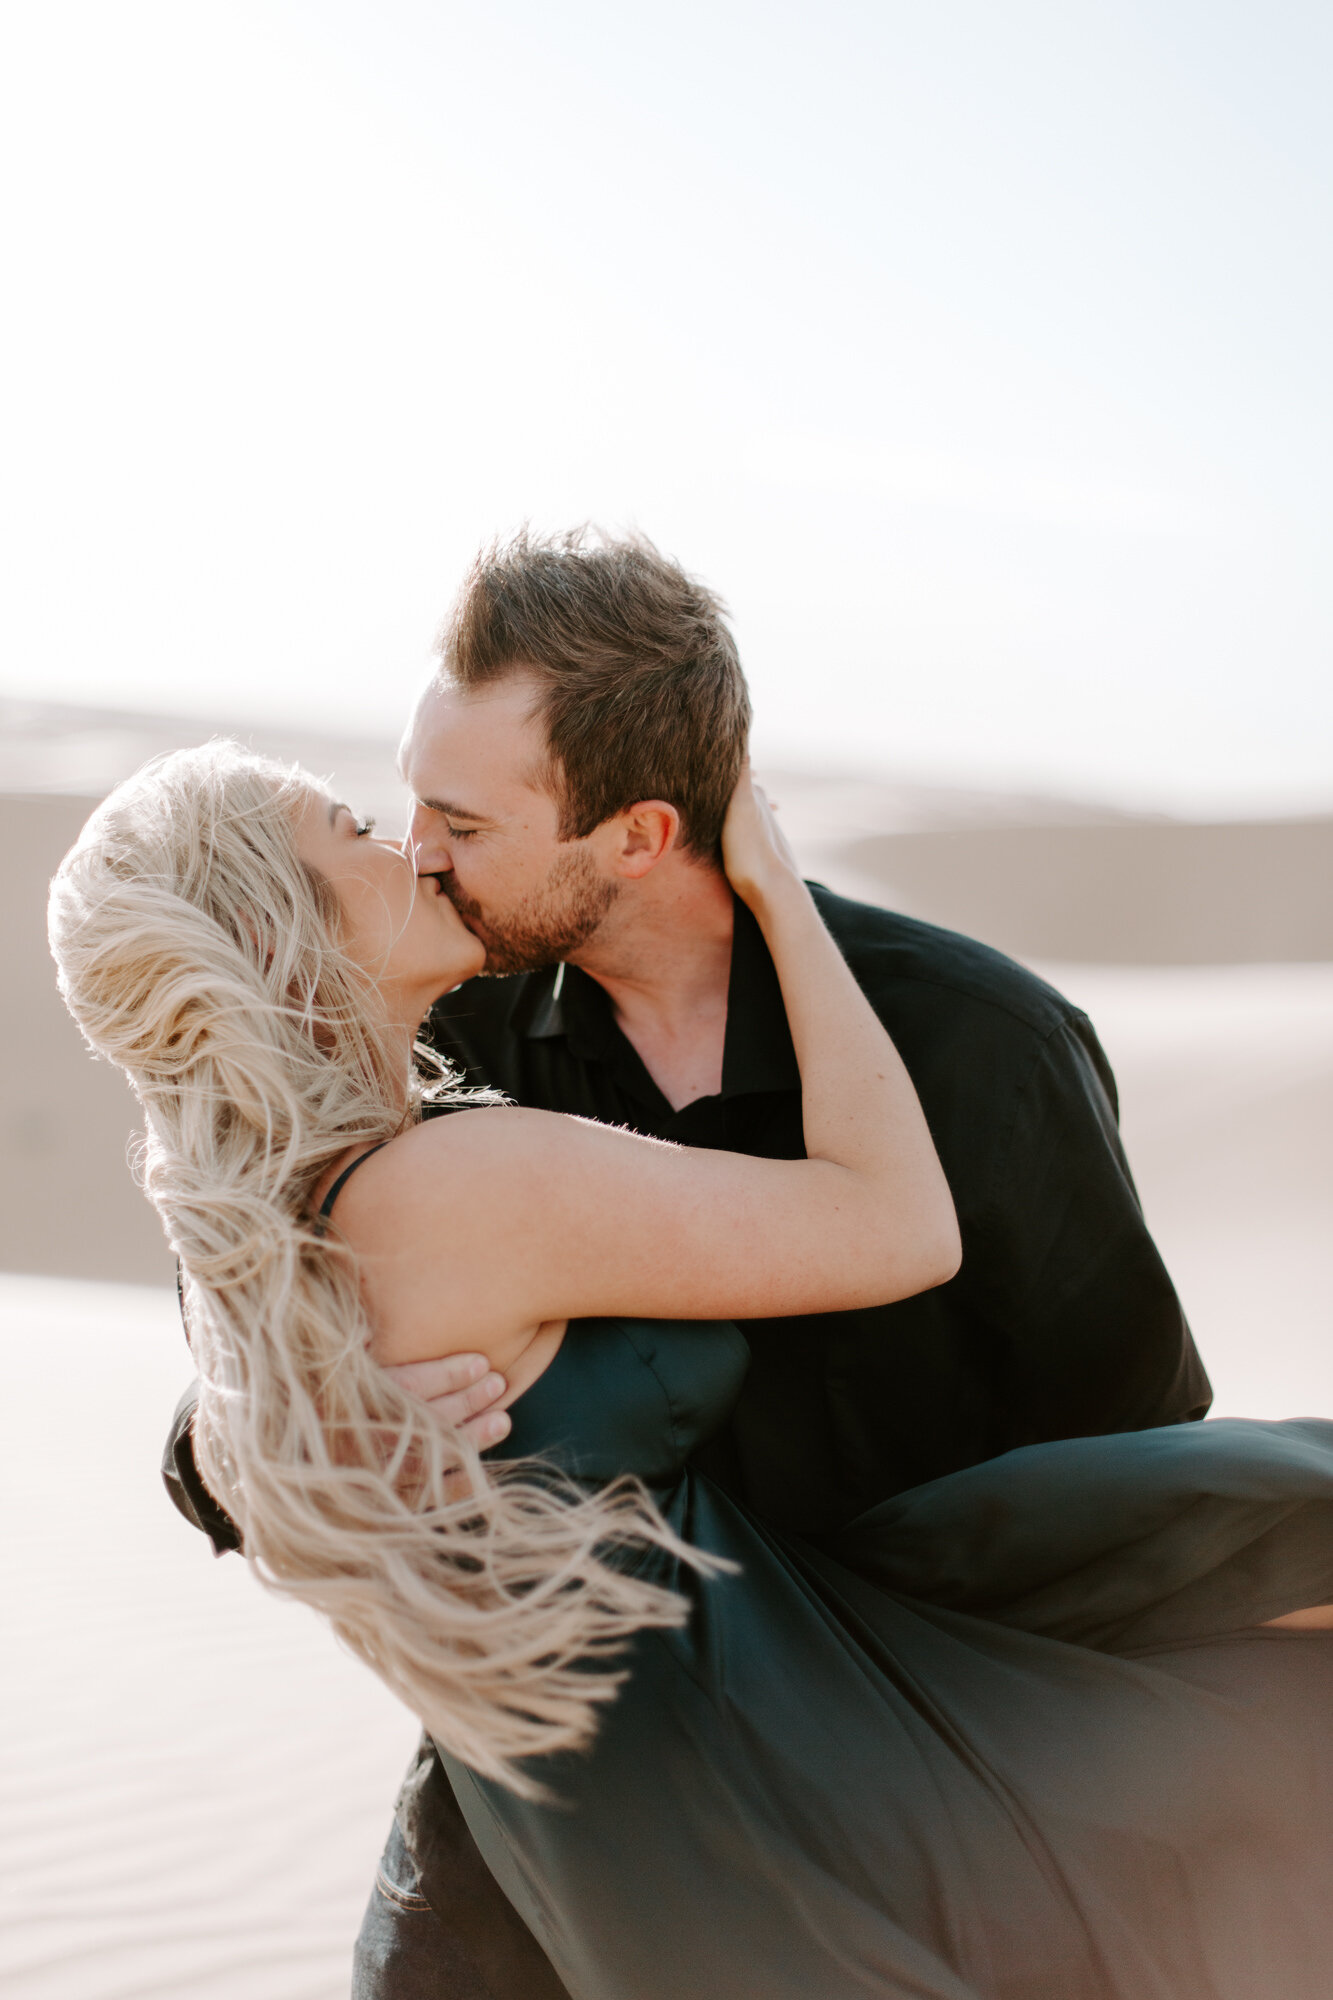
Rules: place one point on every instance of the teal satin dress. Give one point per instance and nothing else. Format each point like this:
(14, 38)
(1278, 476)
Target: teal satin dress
(1011, 1736)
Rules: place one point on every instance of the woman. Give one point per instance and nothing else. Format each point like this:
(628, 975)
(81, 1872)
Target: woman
(1022, 1732)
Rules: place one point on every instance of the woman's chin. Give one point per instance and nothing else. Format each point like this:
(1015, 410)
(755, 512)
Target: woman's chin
(463, 961)
(462, 955)
(475, 963)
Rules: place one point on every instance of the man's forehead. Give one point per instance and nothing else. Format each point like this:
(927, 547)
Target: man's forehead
(464, 743)
(502, 708)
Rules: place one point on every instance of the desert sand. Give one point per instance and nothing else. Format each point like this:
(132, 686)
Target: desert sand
(196, 1782)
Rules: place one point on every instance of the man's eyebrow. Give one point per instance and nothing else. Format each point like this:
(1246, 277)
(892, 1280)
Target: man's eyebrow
(449, 808)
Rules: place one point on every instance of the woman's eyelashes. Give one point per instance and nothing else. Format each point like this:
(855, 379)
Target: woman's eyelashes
(364, 826)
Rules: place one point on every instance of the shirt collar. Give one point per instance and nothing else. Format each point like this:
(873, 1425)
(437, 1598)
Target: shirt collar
(758, 1053)
(564, 1001)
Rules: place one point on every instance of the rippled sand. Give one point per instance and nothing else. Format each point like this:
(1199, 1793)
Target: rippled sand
(195, 1782)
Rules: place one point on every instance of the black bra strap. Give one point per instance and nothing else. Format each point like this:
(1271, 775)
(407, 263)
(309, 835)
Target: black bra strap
(326, 1206)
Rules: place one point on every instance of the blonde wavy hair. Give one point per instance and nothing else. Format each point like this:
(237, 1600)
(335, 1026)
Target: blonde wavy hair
(201, 955)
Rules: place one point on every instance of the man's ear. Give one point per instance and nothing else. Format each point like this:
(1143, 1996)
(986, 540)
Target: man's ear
(640, 837)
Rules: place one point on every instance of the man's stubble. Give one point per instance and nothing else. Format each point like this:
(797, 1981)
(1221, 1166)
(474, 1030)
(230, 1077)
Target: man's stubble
(546, 926)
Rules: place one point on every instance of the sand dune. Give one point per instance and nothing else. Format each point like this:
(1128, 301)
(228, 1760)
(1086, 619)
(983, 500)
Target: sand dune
(195, 1781)
(54, 747)
(1069, 881)
(1133, 892)
(67, 1202)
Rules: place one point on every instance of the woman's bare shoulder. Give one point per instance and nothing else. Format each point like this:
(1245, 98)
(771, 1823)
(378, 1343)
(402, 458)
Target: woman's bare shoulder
(495, 1170)
(464, 1154)
(468, 1133)
(502, 1130)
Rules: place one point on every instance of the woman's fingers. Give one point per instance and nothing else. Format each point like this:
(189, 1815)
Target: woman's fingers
(753, 844)
(462, 1390)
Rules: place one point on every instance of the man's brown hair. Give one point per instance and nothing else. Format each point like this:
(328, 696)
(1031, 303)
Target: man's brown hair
(641, 688)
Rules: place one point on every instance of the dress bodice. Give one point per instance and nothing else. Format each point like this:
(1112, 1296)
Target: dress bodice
(630, 1395)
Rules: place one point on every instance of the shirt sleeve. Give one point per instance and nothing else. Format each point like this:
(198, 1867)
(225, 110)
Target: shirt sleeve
(1096, 1337)
(184, 1484)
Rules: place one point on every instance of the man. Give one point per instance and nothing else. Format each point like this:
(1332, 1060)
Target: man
(571, 765)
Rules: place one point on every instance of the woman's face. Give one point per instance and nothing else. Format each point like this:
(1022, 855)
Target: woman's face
(397, 925)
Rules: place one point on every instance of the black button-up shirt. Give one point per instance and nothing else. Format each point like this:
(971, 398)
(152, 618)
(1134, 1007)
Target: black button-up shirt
(1062, 1320)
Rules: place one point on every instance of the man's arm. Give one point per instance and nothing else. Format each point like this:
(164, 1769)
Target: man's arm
(1072, 1278)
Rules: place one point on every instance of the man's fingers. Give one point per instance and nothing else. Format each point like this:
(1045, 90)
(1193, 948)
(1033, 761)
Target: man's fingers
(488, 1429)
(443, 1376)
(461, 1390)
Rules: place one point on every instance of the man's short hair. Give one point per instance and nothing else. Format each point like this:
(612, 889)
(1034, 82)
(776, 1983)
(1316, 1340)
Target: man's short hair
(641, 689)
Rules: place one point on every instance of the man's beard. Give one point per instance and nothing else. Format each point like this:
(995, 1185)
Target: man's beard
(547, 925)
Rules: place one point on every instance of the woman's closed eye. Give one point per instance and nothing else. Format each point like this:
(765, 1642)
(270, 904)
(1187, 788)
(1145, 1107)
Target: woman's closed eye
(365, 826)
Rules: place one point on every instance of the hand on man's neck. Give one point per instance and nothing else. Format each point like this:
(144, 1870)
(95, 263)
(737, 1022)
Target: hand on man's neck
(663, 956)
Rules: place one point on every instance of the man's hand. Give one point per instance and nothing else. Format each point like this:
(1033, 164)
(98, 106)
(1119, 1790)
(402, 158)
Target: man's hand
(462, 1390)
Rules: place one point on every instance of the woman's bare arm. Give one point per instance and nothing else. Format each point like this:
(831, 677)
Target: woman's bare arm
(492, 1220)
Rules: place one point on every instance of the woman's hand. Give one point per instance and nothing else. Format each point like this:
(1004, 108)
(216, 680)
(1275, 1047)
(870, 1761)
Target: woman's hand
(755, 853)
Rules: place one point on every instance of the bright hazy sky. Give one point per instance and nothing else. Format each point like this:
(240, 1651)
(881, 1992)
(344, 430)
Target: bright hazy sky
(980, 354)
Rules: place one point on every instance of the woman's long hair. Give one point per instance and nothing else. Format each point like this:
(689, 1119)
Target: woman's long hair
(200, 954)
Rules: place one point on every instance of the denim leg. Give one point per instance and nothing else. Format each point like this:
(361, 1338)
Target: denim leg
(476, 1923)
(404, 1952)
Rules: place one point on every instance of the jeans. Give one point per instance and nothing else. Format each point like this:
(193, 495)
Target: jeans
(403, 1951)
(468, 1943)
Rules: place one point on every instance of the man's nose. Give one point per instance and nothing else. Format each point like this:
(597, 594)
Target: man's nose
(427, 842)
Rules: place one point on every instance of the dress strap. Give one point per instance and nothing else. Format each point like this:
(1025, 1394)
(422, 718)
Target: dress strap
(326, 1206)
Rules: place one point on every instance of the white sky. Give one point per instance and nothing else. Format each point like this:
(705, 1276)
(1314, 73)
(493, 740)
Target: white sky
(979, 354)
